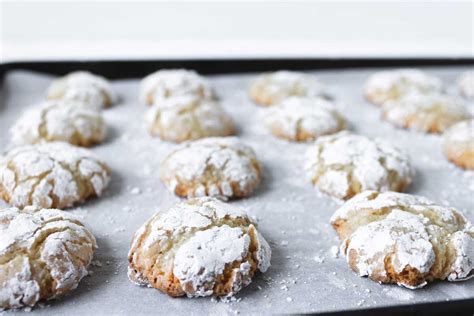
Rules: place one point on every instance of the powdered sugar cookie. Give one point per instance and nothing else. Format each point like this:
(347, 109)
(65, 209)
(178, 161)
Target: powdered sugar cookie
(169, 83)
(199, 247)
(345, 164)
(458, 144)
(216, 166)
(44, 253)
(60, 120)
(399, 238)
(303, 119)
(188, 117)
(427, 113)
(466, 84)
(51, 175)
(394, 84)
(85, 87)
(272, 87)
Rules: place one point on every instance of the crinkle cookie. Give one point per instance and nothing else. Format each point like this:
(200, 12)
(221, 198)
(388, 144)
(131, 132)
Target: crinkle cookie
(427, 113)
(199, 247)
(272, 87)
(187, 118)
(85, 87)
(169, 83)
(303, 119)
(44, 253)
(65, 121)
(458, 144)
(466, 84)
(345, 164)
(393, 84)
(53, 174)
(405, 239)
(215, 166)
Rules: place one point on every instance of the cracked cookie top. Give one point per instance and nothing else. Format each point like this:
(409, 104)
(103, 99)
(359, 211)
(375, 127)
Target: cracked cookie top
(198, 247)
(168, 83)
(345, 164)
(66, 121)
(303, 119)
(272, 87)
(187, 118)
(394, 84)
(458, 144)
(85, 87)
(400, 238)
(53, 174)
(216, 166)
(431, 113)
(44, 253)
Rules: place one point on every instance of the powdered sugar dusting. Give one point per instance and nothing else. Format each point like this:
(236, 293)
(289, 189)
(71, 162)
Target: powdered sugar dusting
(212, 166)
(207, 236)
(50, 174)
(32, 238)
(67, 121)
(393, 84)
(298, 118)
(335, 162)
(169, 83)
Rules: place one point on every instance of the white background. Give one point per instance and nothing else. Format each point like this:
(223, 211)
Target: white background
(42, 30)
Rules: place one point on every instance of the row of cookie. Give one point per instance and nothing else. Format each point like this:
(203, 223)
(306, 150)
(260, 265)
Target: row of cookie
(45, 168)
(204, 247)
(199, 247)
(410, 98)
(71, 113)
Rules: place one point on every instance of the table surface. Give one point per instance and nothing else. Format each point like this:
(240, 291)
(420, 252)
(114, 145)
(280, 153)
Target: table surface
(305, 276)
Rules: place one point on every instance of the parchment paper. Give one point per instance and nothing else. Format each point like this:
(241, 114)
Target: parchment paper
(304, 276)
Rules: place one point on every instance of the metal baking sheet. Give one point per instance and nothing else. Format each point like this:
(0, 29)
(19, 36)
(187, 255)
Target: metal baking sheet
(305, 276)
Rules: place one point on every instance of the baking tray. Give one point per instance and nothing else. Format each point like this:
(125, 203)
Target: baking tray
(305, 276)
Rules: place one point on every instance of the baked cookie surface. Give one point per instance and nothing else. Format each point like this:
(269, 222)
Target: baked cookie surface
(84, 87)
(168, 83)
(345, 164)
(199, 247)
(184, 118)
(426, 113)
(405, 239)
(44, 253)
(466, 84)
(65, 121)
(394, 84)
(303, 119)
(216, 166)
(272, 87)
(53, 174)
(458, 144)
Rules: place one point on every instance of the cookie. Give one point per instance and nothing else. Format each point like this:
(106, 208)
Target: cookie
(394, 84)
(168, 83)
(425, 113)
(199, 247)
(272, 87)
(458, 144)
(85, 87)
(216, 166)
(466, 84)
(55, 175)
(303, 119)
(65, 121)
(404, 239)
(188, 118)
(345, 164)
(44, 254)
